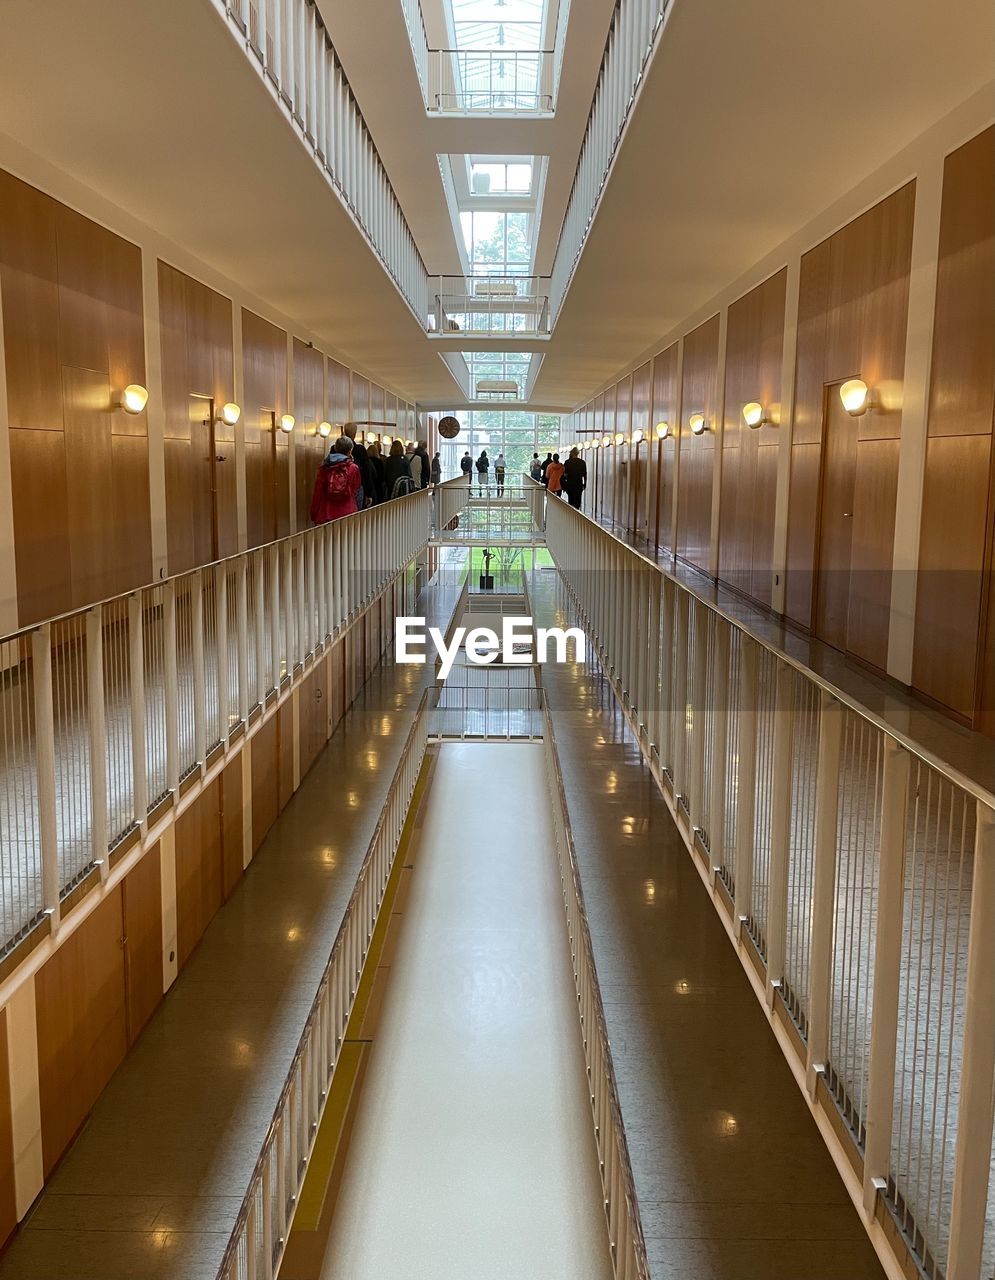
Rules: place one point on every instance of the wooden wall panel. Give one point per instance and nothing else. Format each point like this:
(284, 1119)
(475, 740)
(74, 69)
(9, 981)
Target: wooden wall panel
(264, 359)
(338, 392)
(198, 378)
(376, 403)
(232, 843)
(696, 454)
(313, 716)
(665, 408)
(71, 293)
(754, 348)
(199, 874)
(265, 791)
(82, 1024)
(8, 1202)
(872, 554)
(853, 306)
(309, 410)
(359, 398)
(285, 753)
(953, 601)
(142, 907)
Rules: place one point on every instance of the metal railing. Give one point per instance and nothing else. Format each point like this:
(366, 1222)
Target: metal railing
(490, 81)
(262, 1229)
(450, 498)
(502, 305)
(491, 513)
(104, 711)
(630, 45)
(288, 42)
(625, 1233)
(488, 703)
(858, 869)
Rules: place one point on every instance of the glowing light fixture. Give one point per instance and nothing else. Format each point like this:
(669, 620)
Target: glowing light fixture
(229, 413)
(619, 437)
(387, 441)
(854, 396)
(697, 423)
(288, 422)
(607, 441)
(753, 414)
(134, 398)
(637, 437)
(663, 430)
(324, 430)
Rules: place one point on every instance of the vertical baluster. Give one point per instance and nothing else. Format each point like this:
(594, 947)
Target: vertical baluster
(720, 740)
(242, 618)
(275, 615)
(699, 713)
(199, 674)
(259, 622)
(887, 971)
(170, 682)
(776, 925)
(746, 778)
(823, 885)
(44, 712)
(972, 1156)
(97, 729)
(137, 679)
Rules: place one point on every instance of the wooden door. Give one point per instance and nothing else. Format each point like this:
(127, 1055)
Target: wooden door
(839, 470)
(142, 914)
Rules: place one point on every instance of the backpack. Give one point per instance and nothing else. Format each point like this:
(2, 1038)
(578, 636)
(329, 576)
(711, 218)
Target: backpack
(338, 480)
(535, 471)
(402, 485)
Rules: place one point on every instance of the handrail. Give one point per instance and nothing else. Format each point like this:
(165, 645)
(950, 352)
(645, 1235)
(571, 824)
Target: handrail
(109, 708)
(628, 1246)
(701, 594)
(853, 868)
(290, 1137)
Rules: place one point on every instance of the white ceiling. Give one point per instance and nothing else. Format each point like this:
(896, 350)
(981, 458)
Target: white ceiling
(752, 119)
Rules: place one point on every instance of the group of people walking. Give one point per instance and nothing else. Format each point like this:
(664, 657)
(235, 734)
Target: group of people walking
(483, 468)
(353, 476)
(561, 478)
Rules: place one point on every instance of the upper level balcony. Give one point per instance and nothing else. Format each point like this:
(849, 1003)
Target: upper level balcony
(499, 306)
(490, 82)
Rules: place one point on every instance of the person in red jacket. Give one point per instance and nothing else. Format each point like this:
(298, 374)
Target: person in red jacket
(336, 485)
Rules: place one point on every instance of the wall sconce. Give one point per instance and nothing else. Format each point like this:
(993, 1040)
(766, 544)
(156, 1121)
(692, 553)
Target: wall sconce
(697, 423)
(637, 437)
(287, 423)
(619, 437)
(855, 397)
(324, 430)
(134, 398)
(663, 430)
(754, 416)
(229, 413)
(387, 441)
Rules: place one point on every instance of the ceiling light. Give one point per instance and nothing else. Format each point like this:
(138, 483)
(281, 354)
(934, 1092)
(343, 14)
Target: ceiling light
(753, 414)
(229, 413)
(288, 422)
(697, 423)
(324, 430)
(662, 430)
(854, 397)
(134, 398)
(637, 437)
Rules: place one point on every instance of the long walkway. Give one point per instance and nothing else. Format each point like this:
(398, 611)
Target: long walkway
(733, 1179)
(151, 1188)
(473, 1152)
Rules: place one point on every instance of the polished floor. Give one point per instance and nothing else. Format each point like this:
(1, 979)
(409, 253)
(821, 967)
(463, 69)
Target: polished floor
(733, 1179)
(473, 1153)
(151, 1188)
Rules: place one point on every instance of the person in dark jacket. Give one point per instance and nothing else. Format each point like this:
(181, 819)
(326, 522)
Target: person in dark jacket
(483, 467)
(436, 470)
(377, 472)
(361, 461)
(426, 465)
(574, 480)
(466, 466)
(395, 467)
(544, 468)
(535, 468)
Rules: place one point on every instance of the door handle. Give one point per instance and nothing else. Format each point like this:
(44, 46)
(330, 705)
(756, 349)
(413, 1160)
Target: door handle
(848, 514)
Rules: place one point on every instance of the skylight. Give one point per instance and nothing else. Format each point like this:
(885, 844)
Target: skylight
(498, 24)
(492, 176)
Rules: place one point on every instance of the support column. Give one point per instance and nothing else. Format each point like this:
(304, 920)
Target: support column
(785, 420)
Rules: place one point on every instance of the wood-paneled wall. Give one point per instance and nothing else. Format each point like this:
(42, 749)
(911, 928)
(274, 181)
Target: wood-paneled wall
(359, 398)
(666, 408)
(71, 294)
(195, 326)
(267, 465)
(696, 454)
(953, 601)
(309, 410)
(754, 350)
